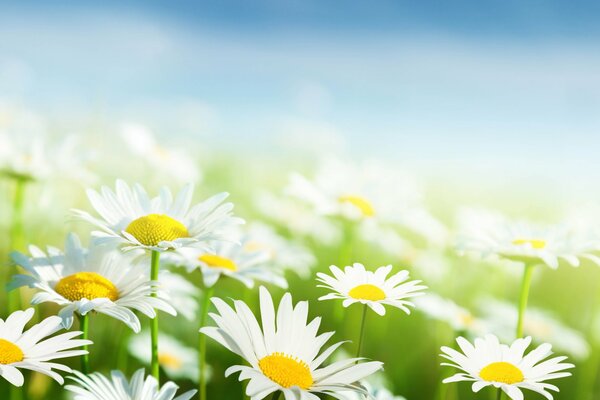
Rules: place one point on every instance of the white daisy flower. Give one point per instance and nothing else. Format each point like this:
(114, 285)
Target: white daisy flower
(180, 293)
(368, 191)
(177, 360)
(489, 363)
(284, 354)
(229, 259)
(490, 234)
(169, 162)
(31, 350)
(101, 279)
(283, 254)
(375, 289)
(97, 387)
(130, 217)
(445, 310)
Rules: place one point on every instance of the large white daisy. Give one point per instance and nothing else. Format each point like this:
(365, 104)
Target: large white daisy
(32, 349)
(489, 363)
(98, 387)
(284, 354)
(129, 216)
(375, 289)
(491, 234)
(229, 259)
(101, 279)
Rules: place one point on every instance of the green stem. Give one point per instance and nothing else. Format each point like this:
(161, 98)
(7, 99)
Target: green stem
(525, 285)
(154, 268)
(499, 394)
(277, 395)
(362, 331)
(84, 325)
(208, 292)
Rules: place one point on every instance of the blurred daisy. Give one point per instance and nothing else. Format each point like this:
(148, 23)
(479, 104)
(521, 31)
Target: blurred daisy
(375, 289)
(368, 191)
(284, 354)
(177, 360)
(489, 363)
(180, 293)
(229, 259)
(447, 311)
(541, 325)
(101, 279)
(375, 393)
(283, 253)
(31, 350)
(174, 163)
(129, 216)
(489, 233)
(97, 387)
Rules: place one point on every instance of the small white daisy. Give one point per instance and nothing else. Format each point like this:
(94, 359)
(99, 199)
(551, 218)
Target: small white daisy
(229, 259)
(284, 354)
(97, 387)
(177, 360)
(99, 279)
(180, 293)
(445, 310)
(375, 289)
(30, 350)
(489, 363)
(129, 216)
(491, 234)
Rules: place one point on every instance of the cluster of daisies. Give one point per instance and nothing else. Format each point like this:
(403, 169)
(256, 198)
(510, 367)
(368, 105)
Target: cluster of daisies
(124, 273)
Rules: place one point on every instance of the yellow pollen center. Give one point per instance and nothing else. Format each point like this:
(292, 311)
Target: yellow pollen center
(502, 372)
(215, 261)
(286, 371)
(10, 353)
(152, 229)
(537, 244)
(367, 292)
(86, 285)
(169, 361)
(363, 205)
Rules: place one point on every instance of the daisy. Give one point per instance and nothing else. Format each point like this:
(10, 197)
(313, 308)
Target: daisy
(31, 350)
(80, 281)
(230, 259)
(491, 234)
(447, 311)
(180, 293)
(97, 387)
(284, 354)
(489, 363)
(128, 216)
(177, 360)
(374, 289)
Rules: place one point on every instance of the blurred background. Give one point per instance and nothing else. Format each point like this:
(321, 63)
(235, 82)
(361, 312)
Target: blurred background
(492, 104)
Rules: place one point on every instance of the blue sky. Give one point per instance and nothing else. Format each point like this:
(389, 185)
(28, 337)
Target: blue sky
(503, 85)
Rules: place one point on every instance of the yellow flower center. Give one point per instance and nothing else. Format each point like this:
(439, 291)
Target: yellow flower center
(215, 261)
(286, 371)
(169, 361)
(367, 292)
(537, 244)
(86, 285)
(363, 205)
(502, 372)
(10, 352)
(152, 229)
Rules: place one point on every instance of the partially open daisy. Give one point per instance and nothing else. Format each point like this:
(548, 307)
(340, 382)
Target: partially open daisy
(230, 259)
(375, 289)
(489, 363)
(80, 281)
(284, 354)
(176, 359)
(130, 217)
(32, 349)
(97, 387)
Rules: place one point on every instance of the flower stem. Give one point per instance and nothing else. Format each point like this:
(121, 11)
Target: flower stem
(499, 394)
(208, 292)
(362, 331)
(84, 325)
(154, 268)
(525, 284)
(277, 395)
